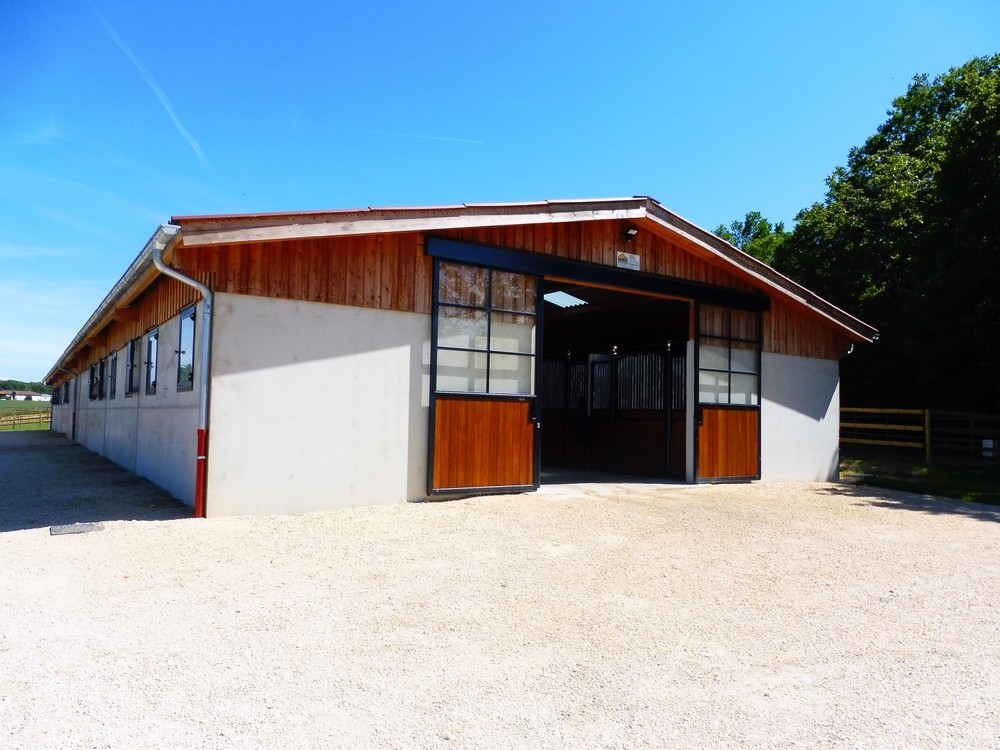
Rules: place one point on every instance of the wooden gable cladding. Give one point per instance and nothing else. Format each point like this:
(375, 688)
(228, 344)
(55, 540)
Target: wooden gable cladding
(384, 271)
(600, 241)
(789, 331)
(392, 271)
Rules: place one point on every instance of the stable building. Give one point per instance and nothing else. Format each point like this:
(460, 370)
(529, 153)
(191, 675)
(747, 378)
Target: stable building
(289, 362)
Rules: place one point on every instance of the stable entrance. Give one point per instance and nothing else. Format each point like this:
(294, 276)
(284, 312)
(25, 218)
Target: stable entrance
(542, 360)
(613, 386)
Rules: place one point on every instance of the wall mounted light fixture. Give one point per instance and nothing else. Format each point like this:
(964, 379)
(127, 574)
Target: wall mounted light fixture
(629, 234)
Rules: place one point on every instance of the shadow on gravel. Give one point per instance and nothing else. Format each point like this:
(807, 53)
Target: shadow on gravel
(898, 500)
(47, 480)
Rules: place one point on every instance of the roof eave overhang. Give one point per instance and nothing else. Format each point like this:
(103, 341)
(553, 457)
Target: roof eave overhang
(139, 275)
(209, 230)
(762, 273)
(215, 230)
(199, 231)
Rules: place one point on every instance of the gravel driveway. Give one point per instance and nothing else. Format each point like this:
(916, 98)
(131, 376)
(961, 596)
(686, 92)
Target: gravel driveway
(600, 616)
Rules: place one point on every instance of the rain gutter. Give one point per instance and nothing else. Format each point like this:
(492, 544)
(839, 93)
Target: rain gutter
(166, 237)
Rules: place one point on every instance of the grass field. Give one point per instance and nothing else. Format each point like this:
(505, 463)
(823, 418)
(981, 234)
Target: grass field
(22, 407)
(26, 427)
(17, 408)
(973, 481)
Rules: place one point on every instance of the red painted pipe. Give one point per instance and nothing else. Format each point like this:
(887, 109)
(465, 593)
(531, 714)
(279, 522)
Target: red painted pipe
(201, 474)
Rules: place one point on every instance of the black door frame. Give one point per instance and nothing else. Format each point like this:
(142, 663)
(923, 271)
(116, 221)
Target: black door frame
(542, 265)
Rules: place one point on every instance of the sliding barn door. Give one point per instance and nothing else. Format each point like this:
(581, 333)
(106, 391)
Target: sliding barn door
(484, 432)
(728, 412)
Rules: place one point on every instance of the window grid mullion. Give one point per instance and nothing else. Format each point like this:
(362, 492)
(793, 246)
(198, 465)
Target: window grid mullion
(489, 323)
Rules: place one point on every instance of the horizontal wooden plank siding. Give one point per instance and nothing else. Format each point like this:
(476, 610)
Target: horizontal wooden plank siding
(483, 443)
(728, 443)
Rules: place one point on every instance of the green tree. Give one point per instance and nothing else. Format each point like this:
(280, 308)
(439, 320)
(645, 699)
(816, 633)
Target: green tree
(907, 238)
(754, 235)
(21, 385)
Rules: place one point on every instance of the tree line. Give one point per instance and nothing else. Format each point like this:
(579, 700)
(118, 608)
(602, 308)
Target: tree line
(20, 385)
(907, 238)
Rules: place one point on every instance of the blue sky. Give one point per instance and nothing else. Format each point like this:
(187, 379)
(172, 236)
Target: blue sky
(115, 116)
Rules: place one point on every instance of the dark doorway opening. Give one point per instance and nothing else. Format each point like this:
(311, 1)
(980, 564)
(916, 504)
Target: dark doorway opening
(613, 384)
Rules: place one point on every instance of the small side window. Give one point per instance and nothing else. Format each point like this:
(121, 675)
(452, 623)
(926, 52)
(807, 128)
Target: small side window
(132, 367)
(102, 373)
(113, 376)
(185, 352)
(152, 339)
(93, 383)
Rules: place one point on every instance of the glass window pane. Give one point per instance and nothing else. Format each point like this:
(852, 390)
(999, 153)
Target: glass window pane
(511, 332)
(464, 372)
(185, 357)
(744, 389)
(713, 354)
(463, 285)
(512, 373)
(113, 376)
(744, 357)
(513, 291)
(713, 387)
(462, 327)
(151, 349)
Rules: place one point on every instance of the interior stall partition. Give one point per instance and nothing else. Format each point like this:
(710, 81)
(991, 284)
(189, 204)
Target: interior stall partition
(619, 411)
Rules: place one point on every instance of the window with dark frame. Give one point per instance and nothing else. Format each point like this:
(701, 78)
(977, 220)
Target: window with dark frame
(93, 383)
(102, 372)
(185, 352)
(152, 339)
(65, 398)
(486, 330)
(113, 376)
(729, 343)
(132, 367)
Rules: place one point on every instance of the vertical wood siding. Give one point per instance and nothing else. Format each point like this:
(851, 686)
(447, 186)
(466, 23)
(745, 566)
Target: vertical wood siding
(599, 242)
(385, 272)
(728, 444)
(392, 272)
(161, 301)
(788, 331)
(483, 443)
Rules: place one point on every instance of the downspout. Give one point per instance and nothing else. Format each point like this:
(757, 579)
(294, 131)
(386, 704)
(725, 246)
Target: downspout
(166, 236)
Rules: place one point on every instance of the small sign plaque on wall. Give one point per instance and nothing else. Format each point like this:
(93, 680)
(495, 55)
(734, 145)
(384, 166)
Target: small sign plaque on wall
(629, 261)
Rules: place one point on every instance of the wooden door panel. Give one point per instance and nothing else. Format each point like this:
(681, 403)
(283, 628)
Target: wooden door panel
(483, 443)
(729, 443)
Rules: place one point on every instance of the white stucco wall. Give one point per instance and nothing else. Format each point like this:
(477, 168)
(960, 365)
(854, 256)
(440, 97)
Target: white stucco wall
(800, 418)
(360, 436)
(155, 435)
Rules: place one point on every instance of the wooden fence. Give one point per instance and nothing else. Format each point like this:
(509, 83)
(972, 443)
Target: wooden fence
(10, 421)
(952, 433)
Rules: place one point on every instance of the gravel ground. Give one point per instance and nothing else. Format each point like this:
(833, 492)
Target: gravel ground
(594, 616)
